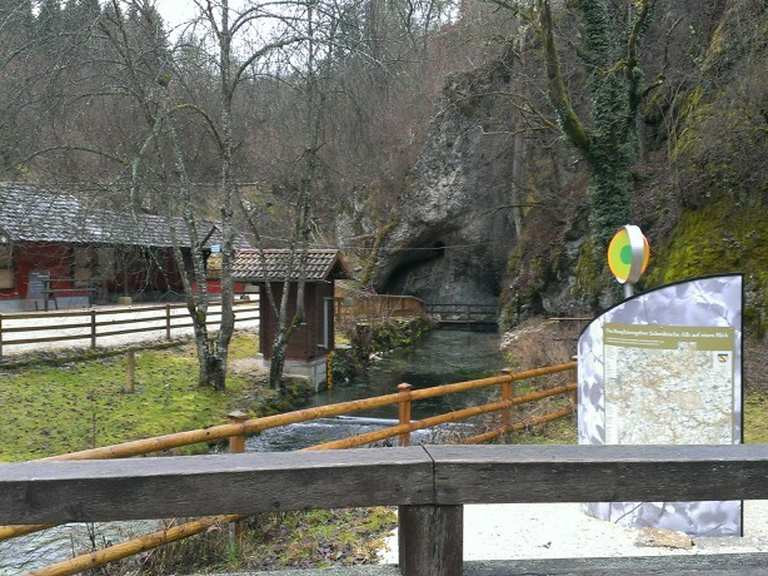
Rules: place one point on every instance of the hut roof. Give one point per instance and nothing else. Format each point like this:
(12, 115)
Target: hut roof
(280, 264)
(36, 214)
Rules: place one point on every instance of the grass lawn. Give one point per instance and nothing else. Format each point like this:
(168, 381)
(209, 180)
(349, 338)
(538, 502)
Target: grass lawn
(55, 409)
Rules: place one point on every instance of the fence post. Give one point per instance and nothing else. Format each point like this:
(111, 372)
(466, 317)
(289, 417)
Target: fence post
(1, 336)
(506, 394)
(404, 411)
(130, 369)
(237, 446)
(167, 321)
(93, 328)
(430, 540)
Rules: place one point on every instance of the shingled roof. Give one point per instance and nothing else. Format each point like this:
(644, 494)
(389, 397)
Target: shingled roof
(282, 264)
(36, 214)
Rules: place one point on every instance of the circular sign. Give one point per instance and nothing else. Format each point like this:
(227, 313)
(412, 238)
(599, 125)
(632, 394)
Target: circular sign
(628, 254)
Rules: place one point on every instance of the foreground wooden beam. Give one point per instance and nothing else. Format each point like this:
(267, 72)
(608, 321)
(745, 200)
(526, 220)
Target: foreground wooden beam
(47, 492)
(534, 473)
(37, 492)
(431, 540)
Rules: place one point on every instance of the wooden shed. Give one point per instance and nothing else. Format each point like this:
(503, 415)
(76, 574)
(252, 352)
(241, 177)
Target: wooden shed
(310, 342)
(64, 249)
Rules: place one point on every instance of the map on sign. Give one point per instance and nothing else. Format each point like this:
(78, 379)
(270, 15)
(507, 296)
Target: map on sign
(674, 383)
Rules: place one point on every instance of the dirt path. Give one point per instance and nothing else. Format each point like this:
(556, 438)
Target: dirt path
(528, 531)
(155, 321)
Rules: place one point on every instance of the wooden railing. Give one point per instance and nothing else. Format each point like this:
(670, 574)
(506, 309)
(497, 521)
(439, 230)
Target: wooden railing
(95, 323)
(354, 306)
(239, 427)
(429, 483)
(462, 312)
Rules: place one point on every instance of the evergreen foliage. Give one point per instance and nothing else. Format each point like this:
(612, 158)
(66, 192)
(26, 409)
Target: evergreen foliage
(609, 52)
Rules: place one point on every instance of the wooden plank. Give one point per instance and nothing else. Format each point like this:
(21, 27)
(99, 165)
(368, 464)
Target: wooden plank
(677, 565)
(673, 565)
(160, 318)
(430, 540)
(487, 474)
(45, 327)
(55, 492)
(38, 315)
(85, 336)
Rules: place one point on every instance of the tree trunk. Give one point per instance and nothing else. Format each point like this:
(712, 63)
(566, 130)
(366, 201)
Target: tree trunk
(277, 364)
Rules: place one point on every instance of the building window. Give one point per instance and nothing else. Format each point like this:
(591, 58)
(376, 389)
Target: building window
(7, 277)
(83, 272)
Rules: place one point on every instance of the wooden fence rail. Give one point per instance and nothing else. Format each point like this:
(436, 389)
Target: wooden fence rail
(352, 306)
(462, 311)
(429, 483)
(240, 426)
(91, 327)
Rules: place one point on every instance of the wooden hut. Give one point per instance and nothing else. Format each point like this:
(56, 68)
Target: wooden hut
(58, 248)
(310, 343)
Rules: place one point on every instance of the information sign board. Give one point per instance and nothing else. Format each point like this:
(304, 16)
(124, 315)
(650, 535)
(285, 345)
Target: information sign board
(664, 367)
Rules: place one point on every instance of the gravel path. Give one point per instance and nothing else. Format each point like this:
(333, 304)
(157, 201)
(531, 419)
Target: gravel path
(155, 321)
(528, 531)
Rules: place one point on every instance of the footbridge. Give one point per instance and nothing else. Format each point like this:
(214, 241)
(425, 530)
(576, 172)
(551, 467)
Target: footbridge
(463, 314)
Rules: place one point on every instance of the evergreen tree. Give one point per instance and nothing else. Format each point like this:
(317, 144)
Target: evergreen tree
(49, 21)
(16, 21)
(610, 43)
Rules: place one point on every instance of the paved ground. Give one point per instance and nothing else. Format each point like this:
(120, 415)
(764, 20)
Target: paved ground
(516, 531)
(155, 319)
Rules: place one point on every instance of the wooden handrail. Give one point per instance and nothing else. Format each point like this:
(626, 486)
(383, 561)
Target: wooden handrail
(222, 431)
(430, 483)
(425, 475)
(242, 427)
(455, 416)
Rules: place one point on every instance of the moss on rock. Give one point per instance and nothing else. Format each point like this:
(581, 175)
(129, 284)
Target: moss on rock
(720, 238)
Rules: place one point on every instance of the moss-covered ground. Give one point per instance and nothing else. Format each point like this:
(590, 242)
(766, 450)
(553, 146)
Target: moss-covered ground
(52, 409)
(722, 237)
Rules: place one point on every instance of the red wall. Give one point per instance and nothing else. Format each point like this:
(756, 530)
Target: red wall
(56, 259)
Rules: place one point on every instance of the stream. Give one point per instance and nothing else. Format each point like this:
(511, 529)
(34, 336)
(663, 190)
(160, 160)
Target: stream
(442, 357)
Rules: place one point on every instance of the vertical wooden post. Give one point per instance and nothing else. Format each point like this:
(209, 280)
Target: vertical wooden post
(430, 540)
(93, 328)
(130, 370)
(506, 394)
(329, 371)
(1, 336)
(237, 443)
(237, 446)
(404, 411)
(167, 321)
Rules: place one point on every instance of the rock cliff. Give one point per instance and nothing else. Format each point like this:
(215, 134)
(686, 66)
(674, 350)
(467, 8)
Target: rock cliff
(455, 228)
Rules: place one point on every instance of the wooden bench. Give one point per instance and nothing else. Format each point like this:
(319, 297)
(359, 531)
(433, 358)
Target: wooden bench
(429, 483)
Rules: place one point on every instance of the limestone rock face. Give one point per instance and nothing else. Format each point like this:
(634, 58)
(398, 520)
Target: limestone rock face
(455, 226)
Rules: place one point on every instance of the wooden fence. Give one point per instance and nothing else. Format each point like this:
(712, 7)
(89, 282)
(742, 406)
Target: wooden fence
(358, 306)
(239, 427)
(462, 312)
(95, 323)
(430, 484)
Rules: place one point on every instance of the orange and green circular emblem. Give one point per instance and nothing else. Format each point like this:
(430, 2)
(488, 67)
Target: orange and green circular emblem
(628, 254)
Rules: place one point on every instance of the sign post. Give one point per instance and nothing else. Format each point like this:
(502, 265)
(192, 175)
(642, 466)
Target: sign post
(628, 255)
